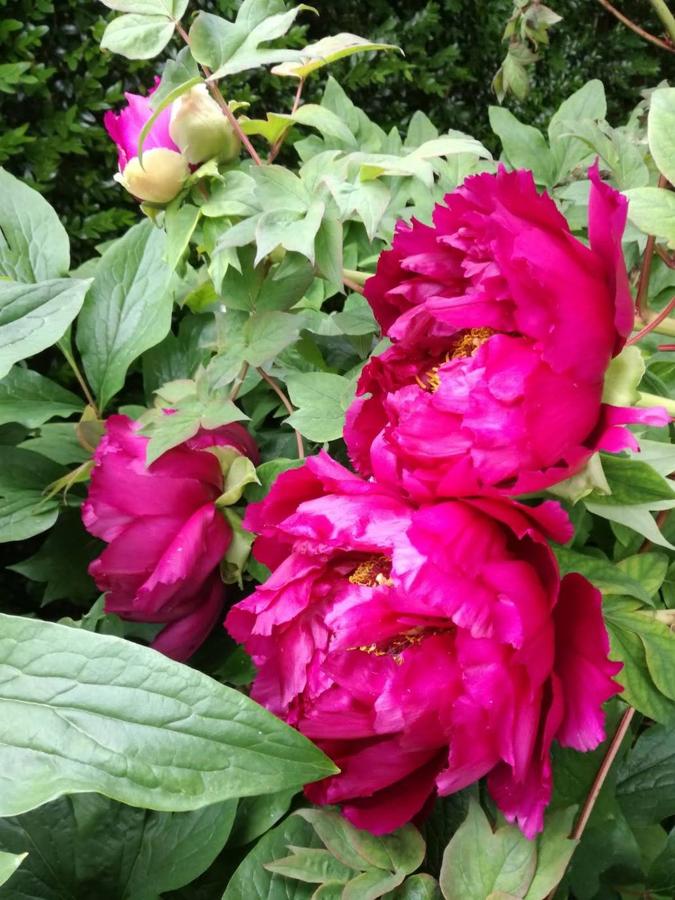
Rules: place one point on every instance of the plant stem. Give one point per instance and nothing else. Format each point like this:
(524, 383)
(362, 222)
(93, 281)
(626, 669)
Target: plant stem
(663, 12)
(223, 104)
(287, 404)
(656, 324)
(599, 780)
(278, 144)
(646, 267)
(239, 380)
(629, 23)
(70, 359)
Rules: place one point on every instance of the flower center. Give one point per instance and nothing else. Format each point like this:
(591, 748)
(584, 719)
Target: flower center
(397, 645)
(372, 572)
(466, 345)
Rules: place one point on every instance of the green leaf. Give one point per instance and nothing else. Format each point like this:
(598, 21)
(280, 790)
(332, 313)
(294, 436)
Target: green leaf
(252, 879)
(322, 400)
(371, 885)
(61, 562)
(267, 334)
(24, 511)
(180, 222)
(127, 853)
(83, 711)
(649, 569)
(418, 887)
(289, 229)
(608, 577)
(127, 310)
(646, 647)
(478, 861)
(328, 247)
(325, 122)
(633, 482)
(256, 815)
(311, 865)
(172, 8)
(661, 877)
(30, 399)
(34, 245)
(137, 37)
(35, 316)
(267, 474)
(660, 130)
(326, 51)
(231, 47)
(554, 851)
(193, 413)
(646, 778)
(59, 442)
(525, 147)
(586, 103)
(9, 863)
(652, 209)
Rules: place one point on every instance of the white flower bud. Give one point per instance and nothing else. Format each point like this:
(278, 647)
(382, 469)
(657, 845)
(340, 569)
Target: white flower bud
(159, 179)
(200, 129)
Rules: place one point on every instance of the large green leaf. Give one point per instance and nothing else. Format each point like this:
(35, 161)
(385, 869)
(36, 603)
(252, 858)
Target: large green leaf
(171, 8)
(33, 243)
(231, 47)
(88, 845)
(646, 778)
(256, 815)
(137, 36)
(35, 316)
(660, 130)
(646, 647)
(524, 146)
(326, 51)
(586, 103)
(652, 209)
(606, 576)
(127, 310)
(24, 510)
(30, 399)
(82, 712)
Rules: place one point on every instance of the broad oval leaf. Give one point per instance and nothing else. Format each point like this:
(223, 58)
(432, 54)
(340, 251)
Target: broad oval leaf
(84, 712)
(137, 37)
(127, 310)
(652, 209)
(35, 316)
(24, 509)
(34, 245)
(30, 399)
(660, 130)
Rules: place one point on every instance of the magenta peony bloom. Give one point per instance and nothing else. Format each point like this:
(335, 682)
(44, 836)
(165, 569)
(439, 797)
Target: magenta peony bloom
(165, 536)
(503, 325)
(164, 169)
(422, 648)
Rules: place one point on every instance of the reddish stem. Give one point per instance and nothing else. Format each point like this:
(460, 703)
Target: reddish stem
(278, 144)
(629, 23)
(666, 347)
(650, 326)
(352, 285)
(287, 404)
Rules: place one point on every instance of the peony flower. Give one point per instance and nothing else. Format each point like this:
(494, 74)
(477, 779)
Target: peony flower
(165, 536)
(422, 648)
(200, 129)
(164, 170)
(503, 326)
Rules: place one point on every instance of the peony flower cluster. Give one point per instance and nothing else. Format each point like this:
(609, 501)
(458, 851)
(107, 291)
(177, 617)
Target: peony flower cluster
(188, 132)
(415, 625)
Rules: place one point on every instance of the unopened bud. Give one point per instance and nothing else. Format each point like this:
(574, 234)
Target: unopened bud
(159, 179)
(200, 129)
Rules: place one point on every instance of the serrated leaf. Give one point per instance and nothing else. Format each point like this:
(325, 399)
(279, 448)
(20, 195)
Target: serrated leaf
(128, 853)
(100, 713)
(137, 37)
(35, 316)
(30, 399)
(127, 310)
(34, 245)
(322, 400)
(326, 51)
(478, 861)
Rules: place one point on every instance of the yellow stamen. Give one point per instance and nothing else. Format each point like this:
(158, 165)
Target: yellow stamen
(372, 572)
(470, 341)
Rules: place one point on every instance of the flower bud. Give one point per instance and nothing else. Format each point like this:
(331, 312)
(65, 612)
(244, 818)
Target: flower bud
(159, 179)
(200, 129)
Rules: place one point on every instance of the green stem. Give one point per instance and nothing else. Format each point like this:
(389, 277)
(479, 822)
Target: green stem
(667, 18)
(70, 359)
(645, 400)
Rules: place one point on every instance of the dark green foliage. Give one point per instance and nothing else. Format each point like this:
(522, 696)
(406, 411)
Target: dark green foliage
(55, 83)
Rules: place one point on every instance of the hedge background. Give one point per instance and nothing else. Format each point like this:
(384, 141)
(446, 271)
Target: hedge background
(55, 84)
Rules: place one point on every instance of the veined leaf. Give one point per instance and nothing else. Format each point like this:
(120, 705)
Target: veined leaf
(84, 711)
(30, 399)
(137, 36)
(326, 51)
